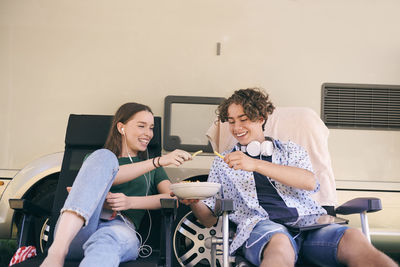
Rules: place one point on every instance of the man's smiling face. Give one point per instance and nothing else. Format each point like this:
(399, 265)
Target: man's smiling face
(242, 128)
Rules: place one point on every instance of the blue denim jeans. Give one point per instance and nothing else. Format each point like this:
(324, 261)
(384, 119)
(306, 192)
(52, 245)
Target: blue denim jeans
(259, 238)
(316, 246)
(99, 242)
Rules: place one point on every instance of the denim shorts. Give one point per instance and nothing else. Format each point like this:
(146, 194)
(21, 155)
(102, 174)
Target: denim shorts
(316, 246)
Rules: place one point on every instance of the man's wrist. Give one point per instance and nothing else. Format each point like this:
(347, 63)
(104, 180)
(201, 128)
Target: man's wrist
(256, 165)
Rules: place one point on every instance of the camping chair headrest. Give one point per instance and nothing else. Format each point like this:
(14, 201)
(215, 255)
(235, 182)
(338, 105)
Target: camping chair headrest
(92, 130)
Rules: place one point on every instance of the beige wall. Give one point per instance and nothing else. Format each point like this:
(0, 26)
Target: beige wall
(90, 56)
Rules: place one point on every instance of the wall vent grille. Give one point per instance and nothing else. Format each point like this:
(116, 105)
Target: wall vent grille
(361, 106)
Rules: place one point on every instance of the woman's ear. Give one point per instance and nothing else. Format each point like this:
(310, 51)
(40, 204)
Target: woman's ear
(120, 128)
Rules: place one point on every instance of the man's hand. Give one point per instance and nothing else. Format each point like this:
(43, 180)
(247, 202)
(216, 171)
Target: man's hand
(238, 160)
(186, 202)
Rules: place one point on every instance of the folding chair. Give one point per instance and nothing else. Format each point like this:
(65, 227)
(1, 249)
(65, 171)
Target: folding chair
(86, 133)
(300, 125)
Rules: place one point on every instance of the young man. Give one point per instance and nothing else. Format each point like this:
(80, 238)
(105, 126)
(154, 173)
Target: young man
(269, 180)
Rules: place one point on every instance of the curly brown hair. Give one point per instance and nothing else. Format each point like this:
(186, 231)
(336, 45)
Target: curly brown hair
(255, 102)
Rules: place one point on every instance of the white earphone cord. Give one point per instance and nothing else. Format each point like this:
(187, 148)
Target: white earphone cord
(270, 180)
(144, 249)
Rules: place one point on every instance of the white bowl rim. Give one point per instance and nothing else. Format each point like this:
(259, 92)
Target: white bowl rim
(195, 184)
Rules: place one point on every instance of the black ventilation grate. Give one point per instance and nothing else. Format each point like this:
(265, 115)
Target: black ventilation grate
(361, 106)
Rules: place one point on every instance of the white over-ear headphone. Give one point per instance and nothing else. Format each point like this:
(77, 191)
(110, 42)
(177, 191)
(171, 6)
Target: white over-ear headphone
(255, 148)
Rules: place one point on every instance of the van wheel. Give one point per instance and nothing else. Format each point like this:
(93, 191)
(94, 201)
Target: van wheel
(191, 242)
(44, 199)
(44, 235)
(43, 196)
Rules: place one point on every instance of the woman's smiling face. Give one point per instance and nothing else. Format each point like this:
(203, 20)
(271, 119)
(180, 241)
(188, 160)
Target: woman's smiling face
(242, 128)
(139, 131)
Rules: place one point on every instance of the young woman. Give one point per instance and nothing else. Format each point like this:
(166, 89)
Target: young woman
(98, 225)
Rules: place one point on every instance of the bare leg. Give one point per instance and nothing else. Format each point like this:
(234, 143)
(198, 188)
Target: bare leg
(69, 225)
(278, 252)
(88, 197)
(355, 250)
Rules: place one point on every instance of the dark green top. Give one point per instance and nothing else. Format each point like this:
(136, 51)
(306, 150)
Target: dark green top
(138, 187)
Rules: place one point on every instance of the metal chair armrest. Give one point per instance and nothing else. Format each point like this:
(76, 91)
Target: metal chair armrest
(27, 207)
(223, 205)
(29, 210)
(362, 205)
(169, 211)
(359, 205)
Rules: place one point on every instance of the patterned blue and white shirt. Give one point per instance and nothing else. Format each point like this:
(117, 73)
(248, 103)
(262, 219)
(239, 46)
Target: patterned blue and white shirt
(240, 186)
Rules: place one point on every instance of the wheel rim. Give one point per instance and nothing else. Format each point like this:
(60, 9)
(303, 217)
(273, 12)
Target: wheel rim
(192, 242)
(44, 235)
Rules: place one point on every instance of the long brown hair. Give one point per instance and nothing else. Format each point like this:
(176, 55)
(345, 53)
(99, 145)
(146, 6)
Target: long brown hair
(123, 114)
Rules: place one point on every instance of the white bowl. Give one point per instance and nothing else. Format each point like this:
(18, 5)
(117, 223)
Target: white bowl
(195, 190)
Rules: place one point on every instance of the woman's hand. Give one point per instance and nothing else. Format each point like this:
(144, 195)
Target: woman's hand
(118, 201)
(176, 157)
(238, 160)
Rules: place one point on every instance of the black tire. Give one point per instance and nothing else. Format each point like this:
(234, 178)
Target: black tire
(42, 195)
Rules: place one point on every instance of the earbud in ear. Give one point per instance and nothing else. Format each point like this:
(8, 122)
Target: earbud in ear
(122, 130)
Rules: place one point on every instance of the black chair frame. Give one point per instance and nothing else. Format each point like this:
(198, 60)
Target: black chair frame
(86, 133)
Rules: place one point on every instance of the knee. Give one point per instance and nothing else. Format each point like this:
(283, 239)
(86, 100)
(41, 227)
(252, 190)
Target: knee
(280, 244)
(353, 236)
(354, 242)
(106, 157)
(355, 249)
